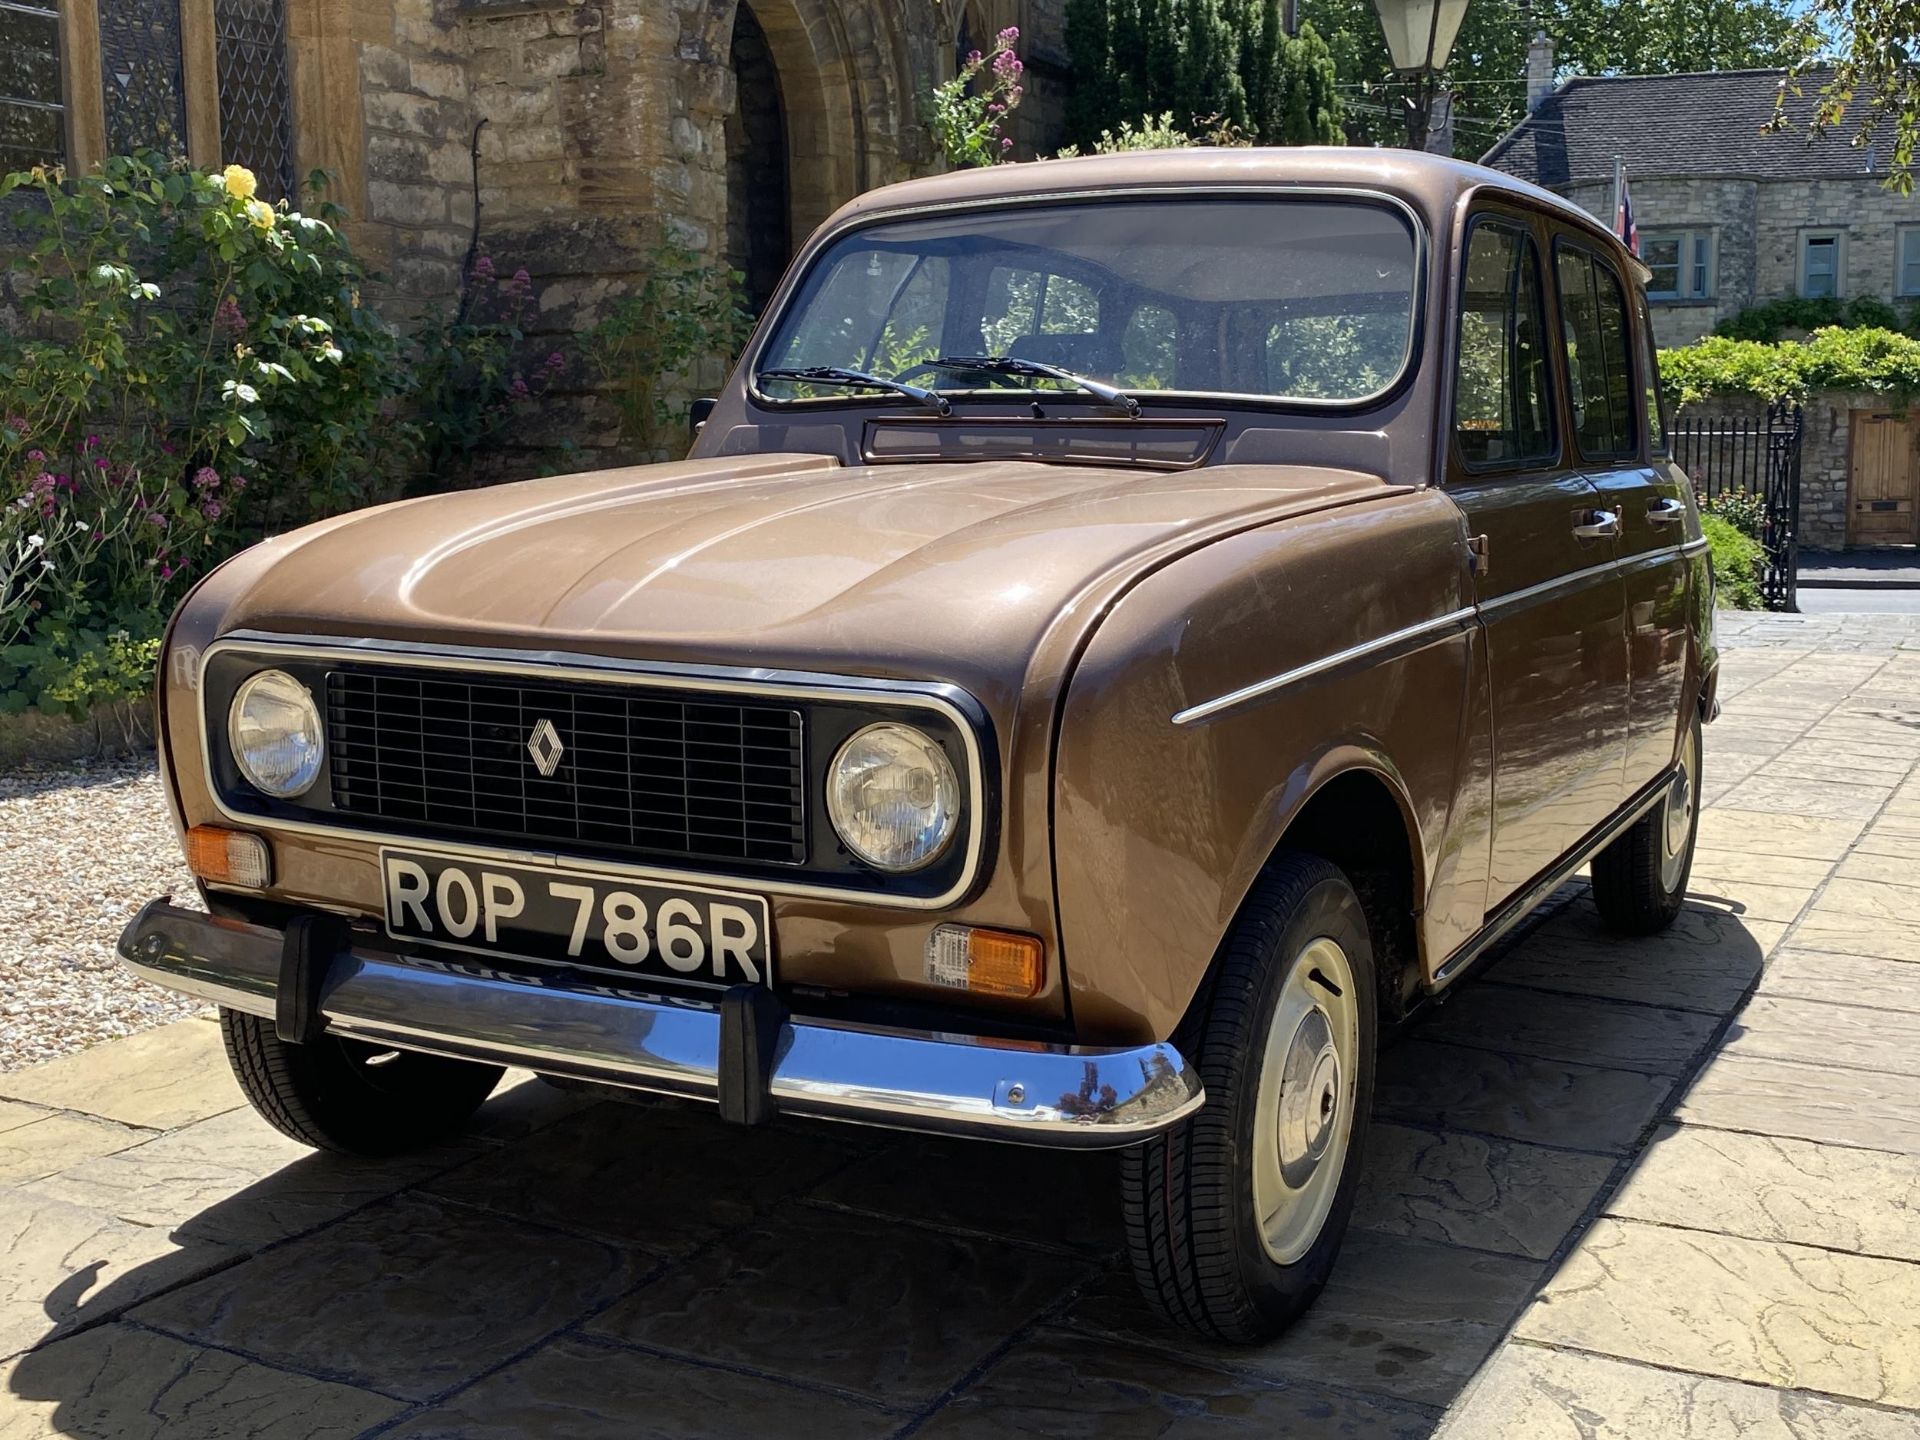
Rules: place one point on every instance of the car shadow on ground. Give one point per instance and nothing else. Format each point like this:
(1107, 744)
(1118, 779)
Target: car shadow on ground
(592, 1268)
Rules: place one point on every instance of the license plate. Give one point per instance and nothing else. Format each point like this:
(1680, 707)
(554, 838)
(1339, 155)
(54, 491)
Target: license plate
(577, 917)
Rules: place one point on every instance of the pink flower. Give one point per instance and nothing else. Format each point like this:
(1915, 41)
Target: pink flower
(228, 316)
(1008, 35)
(92, 442)
(522, 281)
(37, 457)
(1006, 142)
(156, 519)
(519, 389)
(483, 268)
(211, 509)
(556, 361)
(206, 478)
(974, 57)
(238, 482)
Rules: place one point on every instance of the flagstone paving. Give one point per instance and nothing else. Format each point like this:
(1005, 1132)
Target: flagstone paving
(1616, 1190)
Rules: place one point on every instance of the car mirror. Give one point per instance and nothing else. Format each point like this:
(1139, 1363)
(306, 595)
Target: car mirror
(698, 413)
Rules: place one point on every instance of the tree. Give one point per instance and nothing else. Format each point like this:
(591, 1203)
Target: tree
(1591, 37)
(1871, 47)
(1219, 67)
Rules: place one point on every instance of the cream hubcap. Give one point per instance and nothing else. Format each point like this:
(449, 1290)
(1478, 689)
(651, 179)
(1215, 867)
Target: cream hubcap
(1678, 829)
(1304, 1118)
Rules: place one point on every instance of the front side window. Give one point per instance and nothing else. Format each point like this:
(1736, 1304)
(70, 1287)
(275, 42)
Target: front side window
(1819, 265)
(1593, 323)
(32, 103)
(1681, 262)
(1283, 299)
(1501, 410)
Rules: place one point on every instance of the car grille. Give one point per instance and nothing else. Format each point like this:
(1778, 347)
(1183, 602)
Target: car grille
(656, 772)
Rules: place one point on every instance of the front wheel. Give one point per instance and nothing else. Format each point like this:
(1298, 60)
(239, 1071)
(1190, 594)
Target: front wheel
(351, 1096)
(1234, 1217)
(1640, 880)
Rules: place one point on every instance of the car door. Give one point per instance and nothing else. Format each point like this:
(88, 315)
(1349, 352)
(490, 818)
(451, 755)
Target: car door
(1612, 432)
(1549, 592)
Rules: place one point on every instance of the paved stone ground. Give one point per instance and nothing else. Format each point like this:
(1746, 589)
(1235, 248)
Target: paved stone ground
(1616, 1191)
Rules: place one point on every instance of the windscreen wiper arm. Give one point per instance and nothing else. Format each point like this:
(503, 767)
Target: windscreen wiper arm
(838, 375)
(1039, 369)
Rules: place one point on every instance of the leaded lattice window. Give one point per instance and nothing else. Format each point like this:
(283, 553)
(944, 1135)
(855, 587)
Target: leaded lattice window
(146, 98)
(32, 105)
(251, 57)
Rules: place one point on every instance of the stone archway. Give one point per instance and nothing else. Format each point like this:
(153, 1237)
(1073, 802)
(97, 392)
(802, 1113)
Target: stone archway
(845, 94)
(759, 181)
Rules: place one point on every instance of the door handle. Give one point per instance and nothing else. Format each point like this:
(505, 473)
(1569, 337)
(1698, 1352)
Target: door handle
(1599, 525)
(1665, 512)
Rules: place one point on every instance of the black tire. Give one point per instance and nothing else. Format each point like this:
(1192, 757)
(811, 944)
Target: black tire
(1192, 1225)
(341, 1095)
(1640, 880)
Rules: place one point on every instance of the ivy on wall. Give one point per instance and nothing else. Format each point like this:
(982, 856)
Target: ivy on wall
(1878, 361)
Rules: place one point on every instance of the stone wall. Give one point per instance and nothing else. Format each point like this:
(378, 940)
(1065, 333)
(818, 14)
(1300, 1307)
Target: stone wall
(1825, 455)
(589, 131)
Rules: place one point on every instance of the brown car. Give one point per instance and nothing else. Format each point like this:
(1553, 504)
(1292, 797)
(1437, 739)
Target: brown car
(1132, 628)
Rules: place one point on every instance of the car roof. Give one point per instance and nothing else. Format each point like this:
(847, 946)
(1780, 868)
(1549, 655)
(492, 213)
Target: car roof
(1432, 184)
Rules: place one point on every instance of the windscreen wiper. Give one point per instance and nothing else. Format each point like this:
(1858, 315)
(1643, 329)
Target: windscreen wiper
(838, 375)
(1039, 369)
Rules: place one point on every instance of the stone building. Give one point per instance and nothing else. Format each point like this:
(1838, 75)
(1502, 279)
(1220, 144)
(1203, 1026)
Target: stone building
(1730, 214)
(570, 135)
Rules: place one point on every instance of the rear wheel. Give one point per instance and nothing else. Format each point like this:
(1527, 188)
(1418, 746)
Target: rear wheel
(348, 1095)
(1234, 1218)
(1640, 880)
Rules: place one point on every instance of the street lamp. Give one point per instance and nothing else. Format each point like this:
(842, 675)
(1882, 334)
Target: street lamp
(1420, 36)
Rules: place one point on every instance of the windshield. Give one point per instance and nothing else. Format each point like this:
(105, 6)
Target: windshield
(1294, 299)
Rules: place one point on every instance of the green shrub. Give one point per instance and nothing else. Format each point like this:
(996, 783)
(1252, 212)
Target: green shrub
(1835, 358)
(1768, 322)
(967, 112)
(647, 347)
(1742, 509)
(1738, 562)
(189, 369)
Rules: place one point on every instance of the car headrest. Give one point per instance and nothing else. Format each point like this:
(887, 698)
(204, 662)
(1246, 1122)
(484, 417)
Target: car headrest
(1083, 354)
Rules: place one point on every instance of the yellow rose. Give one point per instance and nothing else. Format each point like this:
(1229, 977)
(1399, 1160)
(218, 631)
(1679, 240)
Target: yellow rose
(240, 183)
(260, 214)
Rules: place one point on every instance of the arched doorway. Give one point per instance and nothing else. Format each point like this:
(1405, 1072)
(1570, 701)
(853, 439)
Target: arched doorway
(759, 215)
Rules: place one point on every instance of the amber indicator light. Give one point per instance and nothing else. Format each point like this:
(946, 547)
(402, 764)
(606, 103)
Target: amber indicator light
(228, 857)
(986, 962)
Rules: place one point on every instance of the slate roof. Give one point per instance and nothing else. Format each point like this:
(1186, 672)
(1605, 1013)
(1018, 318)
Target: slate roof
(1705, 124)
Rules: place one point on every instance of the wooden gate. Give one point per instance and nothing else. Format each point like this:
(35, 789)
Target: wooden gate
(1883, 488)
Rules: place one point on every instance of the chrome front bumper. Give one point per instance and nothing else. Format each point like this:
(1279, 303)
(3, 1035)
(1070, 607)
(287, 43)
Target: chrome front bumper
(564, 1025)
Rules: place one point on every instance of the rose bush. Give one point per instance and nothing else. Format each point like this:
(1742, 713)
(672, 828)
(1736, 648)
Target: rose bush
(185, 369)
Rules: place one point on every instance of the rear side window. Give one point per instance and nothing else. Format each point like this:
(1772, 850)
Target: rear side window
(1593, 322)
(1501, 411)
(1650, 382)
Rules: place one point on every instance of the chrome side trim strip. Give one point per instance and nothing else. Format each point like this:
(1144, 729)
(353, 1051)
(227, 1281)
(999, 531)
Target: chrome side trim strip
(568, 1027)
(1572, 579)
(777, 685)
(1207, 709)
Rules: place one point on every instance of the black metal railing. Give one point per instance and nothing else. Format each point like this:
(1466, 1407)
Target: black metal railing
(1755, 455)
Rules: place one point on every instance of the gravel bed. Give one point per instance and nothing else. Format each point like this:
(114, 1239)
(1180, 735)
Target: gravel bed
(82, 846)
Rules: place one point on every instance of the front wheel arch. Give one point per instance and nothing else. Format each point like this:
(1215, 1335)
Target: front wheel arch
(1354, 814)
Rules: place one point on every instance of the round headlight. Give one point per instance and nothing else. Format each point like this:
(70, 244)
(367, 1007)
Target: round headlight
(276, 735)
(893, 797)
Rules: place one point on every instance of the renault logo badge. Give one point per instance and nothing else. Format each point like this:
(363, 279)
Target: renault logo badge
(546, 749)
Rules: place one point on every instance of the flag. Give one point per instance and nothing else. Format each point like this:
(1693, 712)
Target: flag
(1624, 225)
